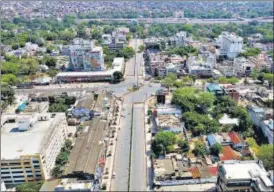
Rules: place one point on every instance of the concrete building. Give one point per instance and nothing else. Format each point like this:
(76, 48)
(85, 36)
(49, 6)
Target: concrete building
(31, 144)
(243, 176)
(259, 62)
(91, 76)
(262, 120)
(84, 56)
(178, 39)
(226, 120)
(216, 89)
(199, 67)
(113, 42)
(70, 185)
(169, 123)
(231, 45)
(242, 67)
(179, 14)
(226, 68)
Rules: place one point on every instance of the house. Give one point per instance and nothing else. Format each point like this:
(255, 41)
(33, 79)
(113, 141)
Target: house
(167, 110)
(169, 123)
(242, 66)
(228, 154)
(199, 67)
(214, 88)
(226, 120)
(222, 139)
(238, 143)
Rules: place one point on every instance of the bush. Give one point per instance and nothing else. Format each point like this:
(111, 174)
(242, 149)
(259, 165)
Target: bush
(29, 187)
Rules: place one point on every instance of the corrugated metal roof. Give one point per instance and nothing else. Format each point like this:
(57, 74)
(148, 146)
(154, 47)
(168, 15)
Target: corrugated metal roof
(211, 140)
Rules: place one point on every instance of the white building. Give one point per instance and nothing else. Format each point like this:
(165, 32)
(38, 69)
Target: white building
(226, 68)
(68, 185)
(199, 67)
(242, 67)
(236, 175)
(178, 39)
(30, 144)
(85, 56)
(90, 76)
(267, 129)
(231, 45)
(107, 39)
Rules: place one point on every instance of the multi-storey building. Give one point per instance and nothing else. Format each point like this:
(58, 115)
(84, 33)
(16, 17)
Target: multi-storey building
(231, 45)
(30, 144)
(234, 175)
(242, 67)
(178, 39)
(262, 120)
(85, 56)
(196, 66)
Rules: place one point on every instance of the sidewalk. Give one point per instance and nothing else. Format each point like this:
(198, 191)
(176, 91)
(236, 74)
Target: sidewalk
(148, 148)
(109, 162)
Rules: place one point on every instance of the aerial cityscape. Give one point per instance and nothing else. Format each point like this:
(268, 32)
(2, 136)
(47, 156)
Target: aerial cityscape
(137, 96)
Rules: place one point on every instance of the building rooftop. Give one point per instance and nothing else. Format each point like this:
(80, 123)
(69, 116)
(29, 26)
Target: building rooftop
(235, 138)
(225, 120)
(168, 121)
(213, 87)
(163, 167)
(17, 143)
(247, 170)
(85, 153)
(228, 154)
(73, 184)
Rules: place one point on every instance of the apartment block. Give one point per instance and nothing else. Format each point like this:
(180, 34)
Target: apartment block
(231, 45)
(84, 55)
(235, 175)
(30, 144)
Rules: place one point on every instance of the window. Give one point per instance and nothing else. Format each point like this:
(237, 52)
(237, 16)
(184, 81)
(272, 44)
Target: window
(35, 161)
(15, 163)
(14, 172)
(19, 181)
(5, 177)
(6, 172)
(16, 168)
(21, 176)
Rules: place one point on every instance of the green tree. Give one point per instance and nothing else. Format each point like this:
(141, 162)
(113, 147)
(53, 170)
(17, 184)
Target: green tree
(68, 144)
(265, 153)
(56, 171)
(57, 107)
(141, 48)
(50, 61)
(117, 76)
(126, 52)
(216, 149)
(183, 144)
(40, 42)
(29, 187)
(251, 52)
(163, 142)
(7, 93)
(200, 148)
(9, 79)
(268, 77)
(29, 66)
(10, 68)
(62, 158)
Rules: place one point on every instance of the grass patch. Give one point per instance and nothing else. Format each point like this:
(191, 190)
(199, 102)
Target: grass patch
(253, 144)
